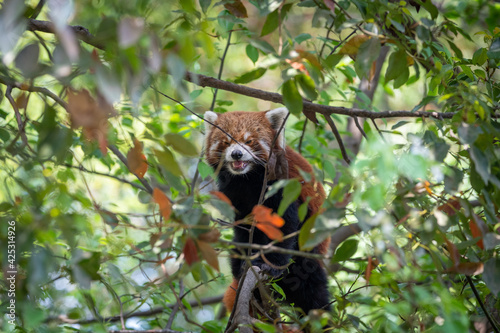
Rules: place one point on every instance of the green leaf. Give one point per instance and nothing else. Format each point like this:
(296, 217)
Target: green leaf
(205, 170)
(307, 85)
(397, 66)
(252, 53)
(291, 192)
(332, 60)
(302, 37)
(27, 60)
(467, 71)
(291, 97)
(494, 51)
(481, 162)
(180, 144)
(306, 237)
(346, 250)
(491, 274)
(204, 4)
(279, 290)
(271, 23)
(480, 56)
(167, 160)
(368, 52)
(250, 76)
(429, 6)
(263, 46)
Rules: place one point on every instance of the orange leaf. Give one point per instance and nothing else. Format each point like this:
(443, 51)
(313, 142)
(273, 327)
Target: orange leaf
(298, 66)
(161, 199)
(268, 222)
(476, 232)
(209, 254)
(137, 162)
(190, 252)
(236, 8)
(450, 207)
(427, 186)
(271, 231)
(210, 237)
(221, 196)
(467, 268)
(263, 214)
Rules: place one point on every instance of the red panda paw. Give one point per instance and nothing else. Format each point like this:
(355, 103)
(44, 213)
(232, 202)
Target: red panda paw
(273, 271)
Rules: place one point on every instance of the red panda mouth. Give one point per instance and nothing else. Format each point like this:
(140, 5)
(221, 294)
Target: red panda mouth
(239, 165)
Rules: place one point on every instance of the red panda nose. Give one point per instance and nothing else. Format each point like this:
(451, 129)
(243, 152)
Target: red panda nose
(236, 154)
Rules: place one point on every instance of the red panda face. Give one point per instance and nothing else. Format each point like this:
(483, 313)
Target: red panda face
(240, 141)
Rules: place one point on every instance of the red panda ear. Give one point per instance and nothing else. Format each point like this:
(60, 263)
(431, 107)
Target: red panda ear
(276, 117)
(209, 117)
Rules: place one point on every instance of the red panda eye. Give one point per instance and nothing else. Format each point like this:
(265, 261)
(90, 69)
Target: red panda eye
(248, 142)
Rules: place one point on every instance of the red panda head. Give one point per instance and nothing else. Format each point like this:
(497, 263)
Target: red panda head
(251, 135)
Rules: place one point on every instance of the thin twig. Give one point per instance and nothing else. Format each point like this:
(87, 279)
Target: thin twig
(378, 129)
(339, 139)
(358, 125)
(176, 306)
(20, 124)
(144, 331)
(327, 34)
(274, 249)
(147, 313)
(219, 76)
(480, 301)
(302, 135)
(82, 168)
(44, 91)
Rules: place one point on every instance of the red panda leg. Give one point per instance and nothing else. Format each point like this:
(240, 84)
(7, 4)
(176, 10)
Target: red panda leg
(230, 295)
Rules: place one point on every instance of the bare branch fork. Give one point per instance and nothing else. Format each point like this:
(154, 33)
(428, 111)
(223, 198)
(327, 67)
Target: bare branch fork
(241, 318)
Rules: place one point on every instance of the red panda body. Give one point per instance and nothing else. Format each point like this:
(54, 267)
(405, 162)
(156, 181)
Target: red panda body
(240, 161)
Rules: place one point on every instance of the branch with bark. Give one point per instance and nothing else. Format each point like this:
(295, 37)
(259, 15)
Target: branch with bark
(147, 313)
(207, 81)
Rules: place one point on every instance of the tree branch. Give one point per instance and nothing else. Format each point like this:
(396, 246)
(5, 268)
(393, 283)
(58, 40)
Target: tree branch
(242, 318)
(207, 81)
(336, 133)
(80, 32)
(147, 313)
(82, 168)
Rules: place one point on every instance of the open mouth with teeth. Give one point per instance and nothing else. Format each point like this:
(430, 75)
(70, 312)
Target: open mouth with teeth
(239, 165)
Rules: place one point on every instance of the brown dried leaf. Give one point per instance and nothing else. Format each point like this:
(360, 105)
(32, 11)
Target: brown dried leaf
(190, 252)
(90, 114)
(467, 268)
(450, 207)
(162, 200)
(210, 237)
(137, 162)
(330, 4)
(237, 9)
(209, 254)
(476, 231)
(351, 47)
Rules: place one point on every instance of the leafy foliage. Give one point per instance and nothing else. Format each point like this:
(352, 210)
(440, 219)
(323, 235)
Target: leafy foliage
(115, 211)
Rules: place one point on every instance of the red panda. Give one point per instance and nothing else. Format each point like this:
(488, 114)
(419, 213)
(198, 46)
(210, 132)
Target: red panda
(240, 161)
